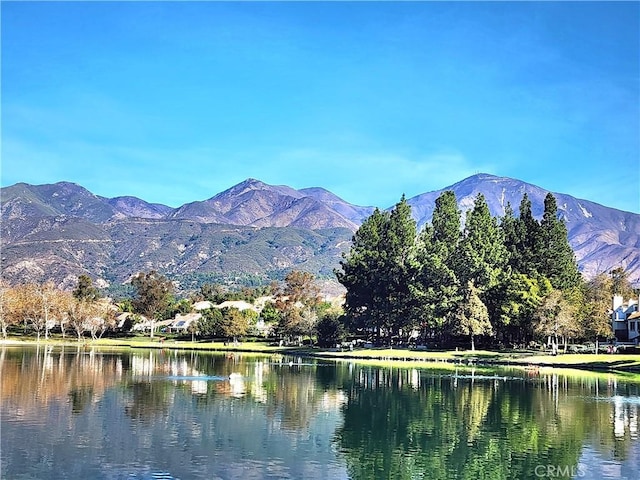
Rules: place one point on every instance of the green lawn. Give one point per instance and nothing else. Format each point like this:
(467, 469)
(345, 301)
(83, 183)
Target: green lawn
(596, 361)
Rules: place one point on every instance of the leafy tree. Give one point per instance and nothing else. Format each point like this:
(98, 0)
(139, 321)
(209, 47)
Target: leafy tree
(181, 307)
(48, 299)
(17, 305)
(516, 299)
(297, 301)
(556, 317)
(330, 330)
(300, 287)
(79, 313)
(153, 295)
(66, 300)
(620, 284)
(227, 322)
(596, 319)
(100, 318)
(6, 307)
(234, 323)
(208, 324)
(28, 307)
(213, 292)
(556, 258)
(270, 314)
(472, 317)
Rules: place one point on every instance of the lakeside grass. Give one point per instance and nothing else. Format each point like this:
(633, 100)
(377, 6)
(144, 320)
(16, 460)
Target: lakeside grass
(446, 359)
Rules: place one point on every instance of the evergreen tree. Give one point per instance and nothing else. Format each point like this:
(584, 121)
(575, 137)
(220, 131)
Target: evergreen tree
(329, 330)
(400, 240)
(527, 237)
(446, 226)
(377, 271)
(512, 232)
(436, 288)
(482, 252)
(556, 259)
(360, 271)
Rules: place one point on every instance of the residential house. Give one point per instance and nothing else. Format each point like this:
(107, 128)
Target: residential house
(181, 323)
(625, 318)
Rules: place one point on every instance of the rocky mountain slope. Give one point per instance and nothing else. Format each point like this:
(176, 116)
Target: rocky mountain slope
(602, 238)
(251, 232)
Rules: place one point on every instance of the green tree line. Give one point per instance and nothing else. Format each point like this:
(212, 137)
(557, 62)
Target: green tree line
(506, 281)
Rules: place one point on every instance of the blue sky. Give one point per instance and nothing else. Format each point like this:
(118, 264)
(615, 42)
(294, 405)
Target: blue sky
(175, 102)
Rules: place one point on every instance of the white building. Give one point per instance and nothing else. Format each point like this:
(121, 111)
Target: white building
(625, 318)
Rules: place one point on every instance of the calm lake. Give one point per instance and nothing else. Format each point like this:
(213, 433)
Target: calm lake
(75, 413)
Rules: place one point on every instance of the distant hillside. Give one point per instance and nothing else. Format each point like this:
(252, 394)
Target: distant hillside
(252, 231)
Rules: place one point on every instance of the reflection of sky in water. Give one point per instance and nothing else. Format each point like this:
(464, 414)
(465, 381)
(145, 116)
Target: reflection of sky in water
(596, 466)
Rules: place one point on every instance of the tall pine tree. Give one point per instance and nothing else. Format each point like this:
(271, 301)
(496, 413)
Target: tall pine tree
(400, 244)
(436, 287)
(556, 259)
(377, 271)
(360, 272)
(482, 257)
(482, 252)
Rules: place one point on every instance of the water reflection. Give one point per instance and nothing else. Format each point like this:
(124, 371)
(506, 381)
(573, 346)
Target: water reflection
(83, 413)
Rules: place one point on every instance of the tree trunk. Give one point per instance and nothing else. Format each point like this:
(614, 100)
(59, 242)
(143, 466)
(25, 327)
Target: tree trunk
(473, 345)
(596, 346)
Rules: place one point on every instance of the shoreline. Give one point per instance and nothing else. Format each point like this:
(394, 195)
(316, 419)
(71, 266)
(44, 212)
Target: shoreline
(600, 363)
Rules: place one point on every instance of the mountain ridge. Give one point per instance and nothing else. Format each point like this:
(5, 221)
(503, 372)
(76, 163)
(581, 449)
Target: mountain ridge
(63, 229)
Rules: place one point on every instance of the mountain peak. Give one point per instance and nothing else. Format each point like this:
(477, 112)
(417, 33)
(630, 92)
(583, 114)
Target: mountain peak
(253, 183)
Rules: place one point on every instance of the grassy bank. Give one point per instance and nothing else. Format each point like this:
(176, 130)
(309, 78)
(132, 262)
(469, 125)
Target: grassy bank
(524, 359)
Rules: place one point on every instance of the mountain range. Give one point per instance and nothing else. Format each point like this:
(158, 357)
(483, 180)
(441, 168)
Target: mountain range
(252, 232)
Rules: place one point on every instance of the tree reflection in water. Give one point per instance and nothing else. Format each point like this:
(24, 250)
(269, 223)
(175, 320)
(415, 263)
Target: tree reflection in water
(200, 415)
(452, 427)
